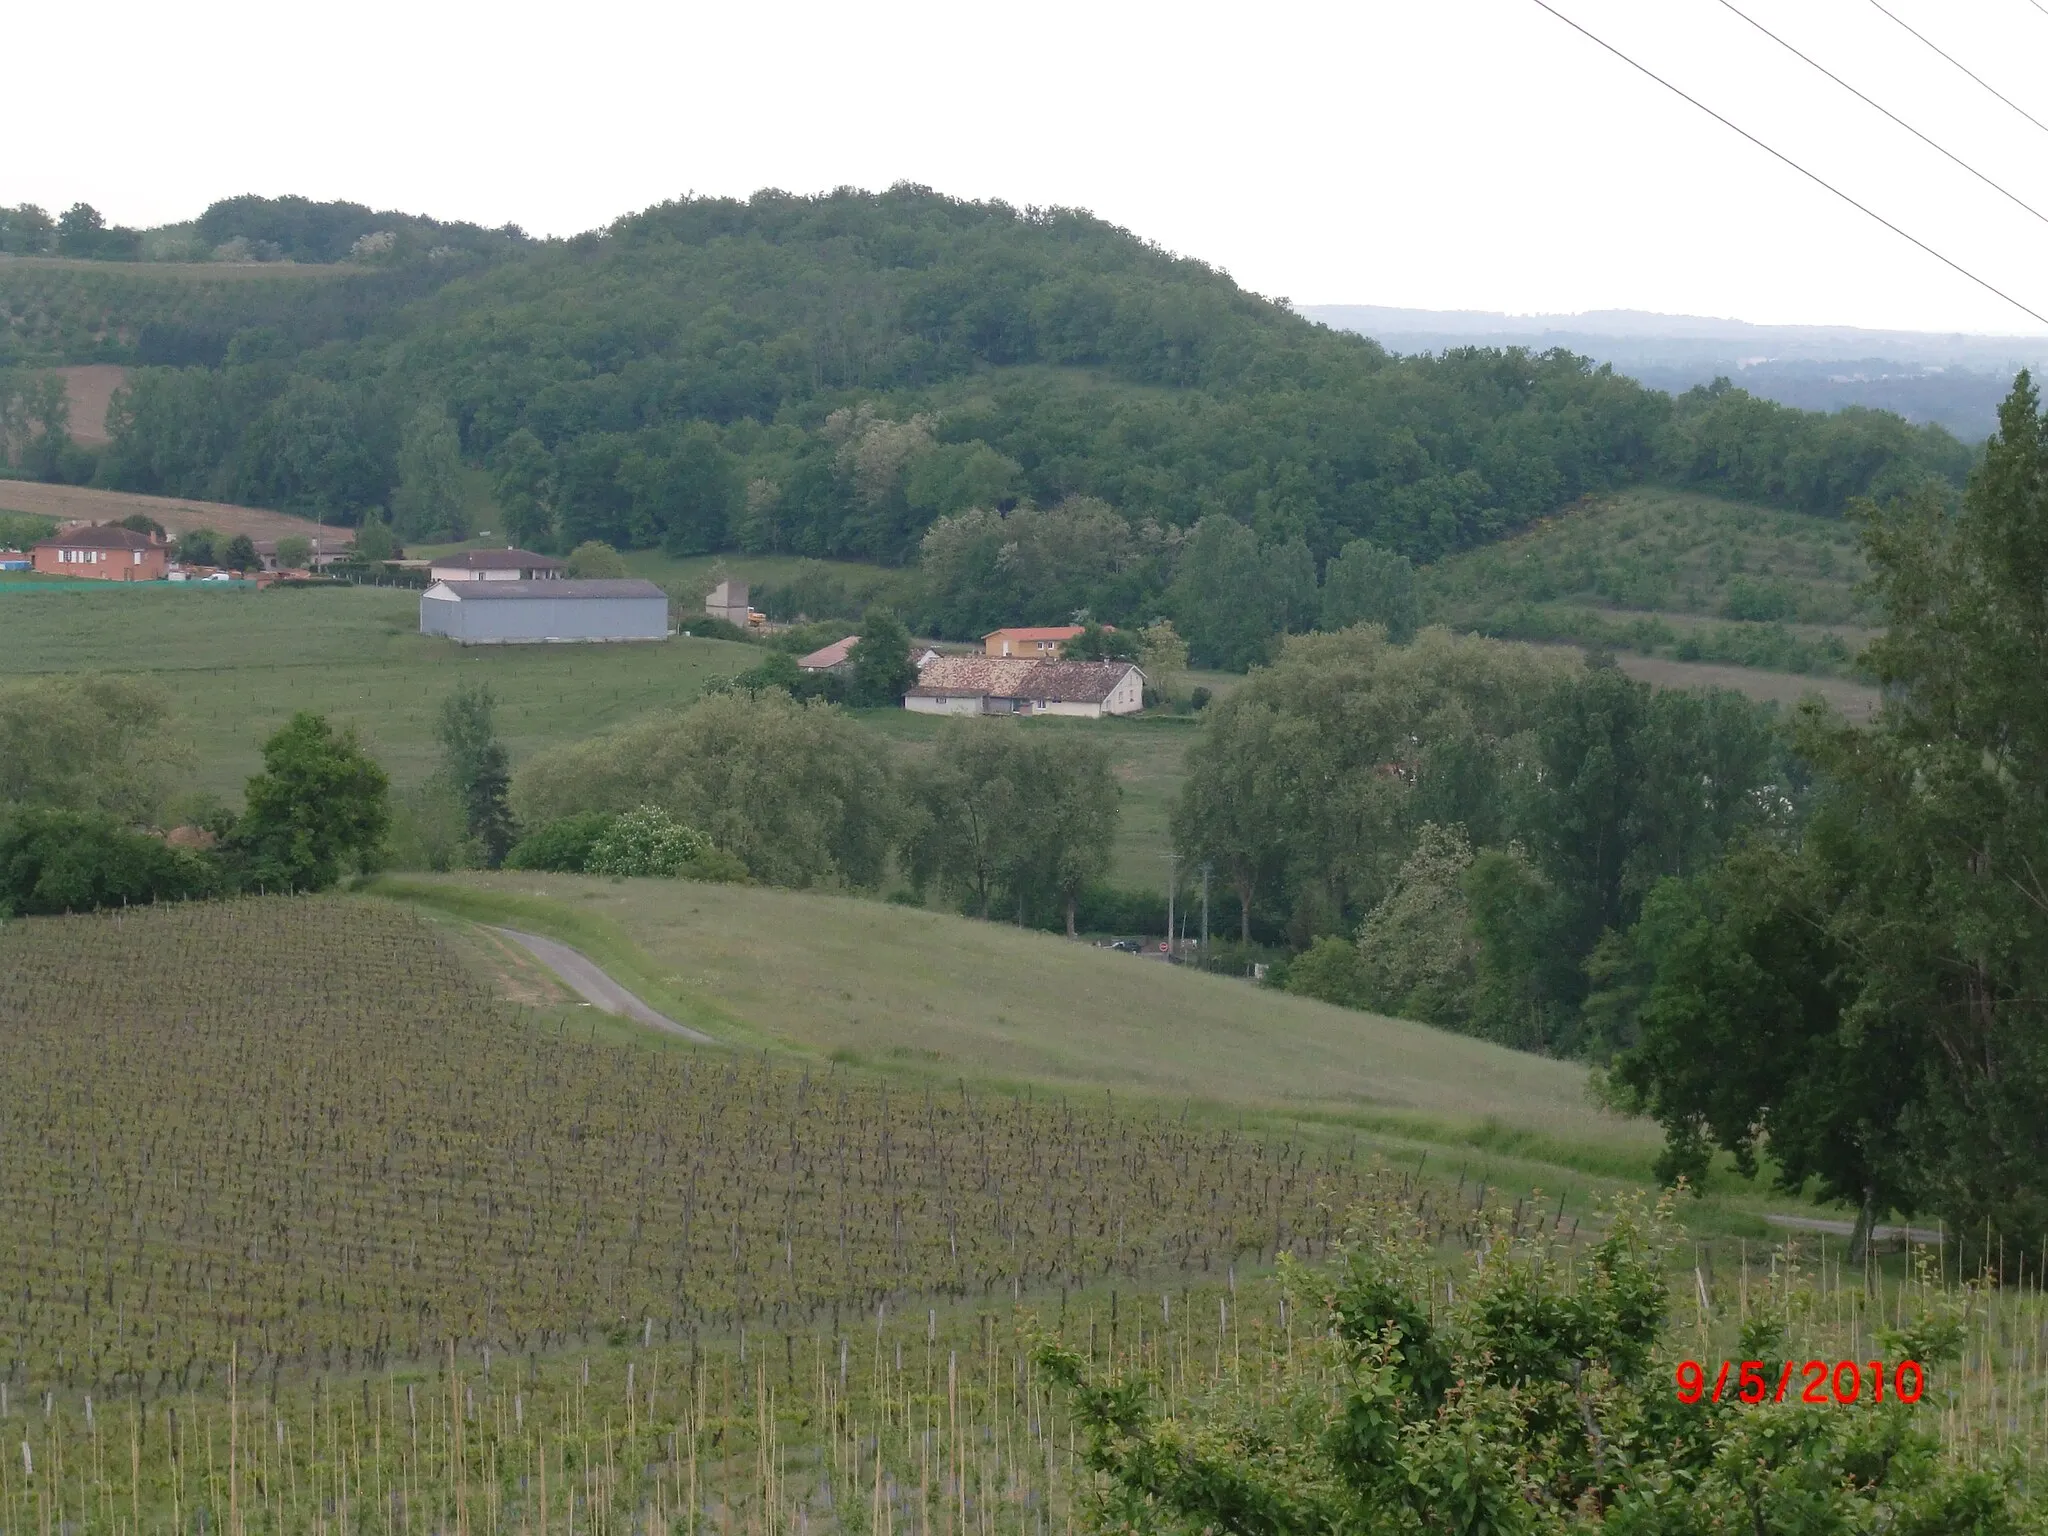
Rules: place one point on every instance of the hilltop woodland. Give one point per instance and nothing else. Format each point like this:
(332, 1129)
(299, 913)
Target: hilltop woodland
(1042, 412)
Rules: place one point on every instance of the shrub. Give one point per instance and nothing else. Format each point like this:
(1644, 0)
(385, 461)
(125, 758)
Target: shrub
(1329, 969)
(595, 559)
(563, 845)
(79, 861)
(646, 841)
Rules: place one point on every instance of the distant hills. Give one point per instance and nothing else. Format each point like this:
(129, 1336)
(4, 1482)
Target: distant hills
(1955, 379)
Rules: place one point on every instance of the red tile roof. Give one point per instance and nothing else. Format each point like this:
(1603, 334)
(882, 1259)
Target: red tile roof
(1010, 677)
(1052, 632)
(827, 657)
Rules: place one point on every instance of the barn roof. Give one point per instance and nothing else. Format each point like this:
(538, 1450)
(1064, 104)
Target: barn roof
(98, 536)
(541, 591)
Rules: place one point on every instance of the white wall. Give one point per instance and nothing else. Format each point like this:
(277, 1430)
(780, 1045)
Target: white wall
(957, 704)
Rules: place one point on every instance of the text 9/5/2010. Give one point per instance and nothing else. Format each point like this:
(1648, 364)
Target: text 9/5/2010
(1847, 1381)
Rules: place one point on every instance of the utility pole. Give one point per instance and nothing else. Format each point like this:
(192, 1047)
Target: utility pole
(1206, 867)
(1172, 885)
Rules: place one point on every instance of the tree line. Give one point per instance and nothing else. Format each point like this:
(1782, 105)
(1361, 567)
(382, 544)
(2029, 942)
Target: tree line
(838, 376)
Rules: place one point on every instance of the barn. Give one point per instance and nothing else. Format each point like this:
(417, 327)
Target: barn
(540, 612)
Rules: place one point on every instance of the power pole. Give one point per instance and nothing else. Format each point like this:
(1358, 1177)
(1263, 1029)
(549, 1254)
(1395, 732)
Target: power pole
(1172, 884)
(1206, 867)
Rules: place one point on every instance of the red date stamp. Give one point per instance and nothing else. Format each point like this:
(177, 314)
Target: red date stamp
(1816, 1381)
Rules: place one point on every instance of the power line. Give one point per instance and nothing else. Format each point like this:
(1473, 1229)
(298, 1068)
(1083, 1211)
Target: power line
(2011, 197)
(1959, 64)
(1786, 159)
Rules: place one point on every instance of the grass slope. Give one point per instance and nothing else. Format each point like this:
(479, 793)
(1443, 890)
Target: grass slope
(931, 994)
(235, 665)
(177, 514)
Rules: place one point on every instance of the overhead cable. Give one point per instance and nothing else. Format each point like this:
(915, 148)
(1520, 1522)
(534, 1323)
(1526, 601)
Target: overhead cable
(1959, 64)
(1780, 155)
(2011, 197)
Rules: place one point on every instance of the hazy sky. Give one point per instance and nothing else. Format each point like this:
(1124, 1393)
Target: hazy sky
(1434, 153)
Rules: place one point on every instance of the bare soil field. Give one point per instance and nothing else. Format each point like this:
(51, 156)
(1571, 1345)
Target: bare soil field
(90, 389)
(175, 513)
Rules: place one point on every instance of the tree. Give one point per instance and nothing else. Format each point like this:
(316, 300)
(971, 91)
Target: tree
(1163, 656)
(374, 542)
(799, 793)
(319, 804)
(79, 230)
(429, 502)
(198, 546)
(240, 554)
(142, 522)
(1416, 946)
(1074, 797)
(26, 230)
(80, 861)
(524, 480)
(1896, 952)
(477, 767)
(294, 553)
(88, 743)
(1219, 596)
(1096, 643)
(882, 669)
(1364, 584)
(594, 559)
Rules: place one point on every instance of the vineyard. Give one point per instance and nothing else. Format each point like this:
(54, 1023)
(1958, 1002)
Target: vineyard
(302, 1231)
(301, 1136)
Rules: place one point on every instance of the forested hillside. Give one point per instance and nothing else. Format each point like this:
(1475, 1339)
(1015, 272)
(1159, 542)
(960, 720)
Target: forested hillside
(849, 375)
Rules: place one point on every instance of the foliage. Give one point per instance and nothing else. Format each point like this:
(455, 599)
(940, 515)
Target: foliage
(797, 792)
(319, 804)
(1526, 1397)
(427, 503)
(239, 554)
(562, 845)
(294, 553)
(1364, 584)
(984, 569)
(596, 560)
(1329, 969)
(478, 769)
(18, 530)
(882, 669)
(374, 541)
(1416, 946)
(646, 841)
(88, 742)
(1896, 948)
(79, 861)
(1002, 812)
(1098, 643)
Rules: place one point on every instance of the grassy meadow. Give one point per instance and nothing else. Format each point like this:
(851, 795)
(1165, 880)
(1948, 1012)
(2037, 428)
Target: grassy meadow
(235, 665)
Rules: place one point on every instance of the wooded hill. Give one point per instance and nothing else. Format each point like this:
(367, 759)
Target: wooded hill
(831, 375)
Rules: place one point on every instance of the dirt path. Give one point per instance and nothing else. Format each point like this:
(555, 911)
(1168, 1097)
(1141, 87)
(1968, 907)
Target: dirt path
(1848, 1229)
(596, 988)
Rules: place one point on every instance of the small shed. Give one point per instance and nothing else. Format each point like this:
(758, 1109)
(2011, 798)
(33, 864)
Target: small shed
(542, 612)
(836, 657)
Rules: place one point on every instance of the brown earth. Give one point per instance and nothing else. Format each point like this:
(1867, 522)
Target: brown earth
(175, 513)
(90, 389)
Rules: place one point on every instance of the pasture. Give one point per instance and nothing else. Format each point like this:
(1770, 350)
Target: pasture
(235, 665)
(177, 514)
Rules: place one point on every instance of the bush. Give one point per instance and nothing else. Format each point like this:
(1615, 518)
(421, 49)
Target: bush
(646, 841)
(1329, 969)
(705, 627)
(78, 861)
(563, 845)
(596, 560)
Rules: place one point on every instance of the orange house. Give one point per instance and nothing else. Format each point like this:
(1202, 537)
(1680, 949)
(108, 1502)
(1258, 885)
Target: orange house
(104, 552)
(1041, 644)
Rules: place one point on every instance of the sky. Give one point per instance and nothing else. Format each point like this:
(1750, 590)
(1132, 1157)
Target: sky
(1441, 154)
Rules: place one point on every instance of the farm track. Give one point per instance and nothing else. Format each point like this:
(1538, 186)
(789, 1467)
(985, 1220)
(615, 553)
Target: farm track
(583, 976)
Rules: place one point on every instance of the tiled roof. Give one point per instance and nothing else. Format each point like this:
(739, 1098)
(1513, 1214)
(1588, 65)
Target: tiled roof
(1008, 677)
(542, 591)
(828, 657)
(99, 536)
(1052, 632)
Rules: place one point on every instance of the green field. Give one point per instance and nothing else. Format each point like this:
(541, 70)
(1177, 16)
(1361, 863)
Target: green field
(235, 665)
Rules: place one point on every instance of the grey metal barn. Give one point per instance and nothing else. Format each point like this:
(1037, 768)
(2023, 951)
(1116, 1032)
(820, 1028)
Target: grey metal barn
(540, 612)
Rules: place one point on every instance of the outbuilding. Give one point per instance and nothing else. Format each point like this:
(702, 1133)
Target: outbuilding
(541, 612)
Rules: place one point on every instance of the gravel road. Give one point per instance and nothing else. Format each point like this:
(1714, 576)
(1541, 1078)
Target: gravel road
(596, 988)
